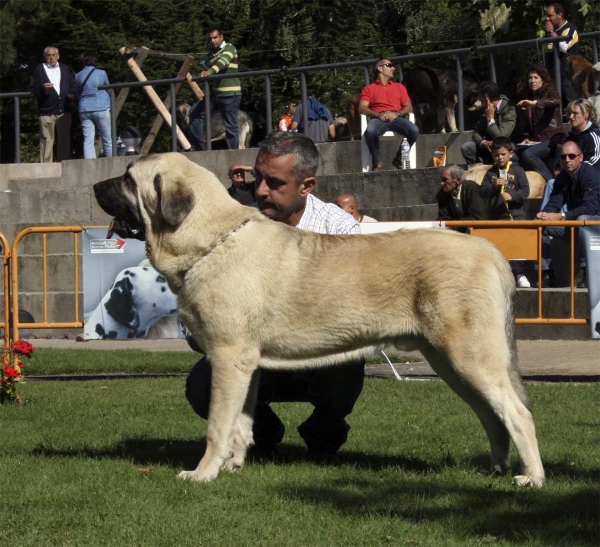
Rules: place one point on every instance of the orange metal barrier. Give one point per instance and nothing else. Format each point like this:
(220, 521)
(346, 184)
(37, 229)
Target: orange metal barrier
(522, 239)
(516, 239)
(5, 319)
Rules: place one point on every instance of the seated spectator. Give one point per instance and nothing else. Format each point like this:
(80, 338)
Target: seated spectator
(498, 119)
(94, 106)
(539, 113)
(349, 203)
(578, 187)
(584, 130)
(388, 106)
(320, 121)
(459, 199)
(505, 185)
(595, 98)
(506, 188)
(240, 190)
(285, 123)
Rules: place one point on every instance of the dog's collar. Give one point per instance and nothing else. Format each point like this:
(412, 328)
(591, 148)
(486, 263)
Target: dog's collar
(224, 238)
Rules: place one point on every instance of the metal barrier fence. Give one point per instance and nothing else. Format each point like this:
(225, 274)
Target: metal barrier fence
(516, 240)
(366, 64)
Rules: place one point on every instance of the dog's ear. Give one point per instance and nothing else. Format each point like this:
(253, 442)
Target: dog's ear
(120, 305)
(175, 196)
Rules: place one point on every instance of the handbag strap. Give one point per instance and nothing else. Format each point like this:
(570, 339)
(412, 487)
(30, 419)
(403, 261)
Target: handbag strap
(86, 79)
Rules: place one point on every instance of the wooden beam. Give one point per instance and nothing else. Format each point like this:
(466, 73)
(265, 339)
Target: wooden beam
(177, 57)
(149, 90)
(194, 87)
(149, 140)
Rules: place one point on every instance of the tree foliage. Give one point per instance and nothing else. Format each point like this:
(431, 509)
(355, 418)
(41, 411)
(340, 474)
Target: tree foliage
(267, 33)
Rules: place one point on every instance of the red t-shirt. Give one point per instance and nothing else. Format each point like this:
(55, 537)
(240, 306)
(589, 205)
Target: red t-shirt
(392, 96)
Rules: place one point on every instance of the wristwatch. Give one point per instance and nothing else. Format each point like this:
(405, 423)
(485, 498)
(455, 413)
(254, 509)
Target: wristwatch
(563, 216)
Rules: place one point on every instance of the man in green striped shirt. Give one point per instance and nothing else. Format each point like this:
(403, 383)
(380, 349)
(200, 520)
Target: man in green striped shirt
(226, 98)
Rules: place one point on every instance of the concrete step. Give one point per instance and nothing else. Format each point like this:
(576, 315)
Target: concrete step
(34, 185)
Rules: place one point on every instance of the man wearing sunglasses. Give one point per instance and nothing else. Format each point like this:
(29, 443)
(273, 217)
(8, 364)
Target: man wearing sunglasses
(578, 187)
(388, 105)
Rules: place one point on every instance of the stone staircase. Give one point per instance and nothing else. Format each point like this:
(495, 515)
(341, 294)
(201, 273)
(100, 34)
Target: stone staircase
(34, 195)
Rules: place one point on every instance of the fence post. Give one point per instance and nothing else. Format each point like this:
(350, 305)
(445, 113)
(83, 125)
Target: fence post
(304, 102)
(269, 108)
(493, 67)
(557, 80)
(17, 130)
(595, 60)
(460, 93)
(367, 76)
(173, 119)
(113, 122)
(207, 129)
(400, 72)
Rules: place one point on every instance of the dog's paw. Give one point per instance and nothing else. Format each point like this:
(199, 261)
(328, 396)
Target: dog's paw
(528, 480)
(197, 477)
(234, 464)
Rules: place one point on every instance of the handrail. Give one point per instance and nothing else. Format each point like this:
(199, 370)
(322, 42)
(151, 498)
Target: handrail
(458, 53)
(5, 323)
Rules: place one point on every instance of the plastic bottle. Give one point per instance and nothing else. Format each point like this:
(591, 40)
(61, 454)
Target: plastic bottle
(405, 154)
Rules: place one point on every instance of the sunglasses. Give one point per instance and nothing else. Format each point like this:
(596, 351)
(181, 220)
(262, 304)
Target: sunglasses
(570, 156)
(389, 65)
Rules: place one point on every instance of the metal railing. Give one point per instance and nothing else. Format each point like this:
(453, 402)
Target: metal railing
(366, 64)
(516, 239)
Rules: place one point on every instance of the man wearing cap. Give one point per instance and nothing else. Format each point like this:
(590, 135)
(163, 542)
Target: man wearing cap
(240, 190)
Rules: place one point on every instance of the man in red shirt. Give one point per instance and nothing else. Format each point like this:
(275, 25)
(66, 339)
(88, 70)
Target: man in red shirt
(388, 105)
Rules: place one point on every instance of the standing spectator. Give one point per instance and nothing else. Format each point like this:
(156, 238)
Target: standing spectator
(94, 106)
(459, 199)
(320, 121)
(240, 190)
(349, 203)
(285, 123)
(223, 59)
(52, 85)
(595, 98)
(540, 116)
(578, 187)
(285, 178)
(388, 105)
(584, 130)
(555, 25)
(498, 119)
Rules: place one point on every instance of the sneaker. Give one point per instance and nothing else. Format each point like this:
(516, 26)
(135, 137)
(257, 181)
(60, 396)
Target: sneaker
(523, 282)
(378, 167)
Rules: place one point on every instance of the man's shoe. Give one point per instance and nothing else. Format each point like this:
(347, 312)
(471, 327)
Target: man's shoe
(545, 280)
(397, 162)
(378, 167)
(523, 282)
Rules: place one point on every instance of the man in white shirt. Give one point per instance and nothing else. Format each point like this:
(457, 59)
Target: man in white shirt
(53, 86)
(285, 170)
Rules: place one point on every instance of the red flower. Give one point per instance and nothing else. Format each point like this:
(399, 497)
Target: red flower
(10, 372)
(20, 347)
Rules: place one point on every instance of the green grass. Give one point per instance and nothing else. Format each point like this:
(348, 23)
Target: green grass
(65, 361)
(95, 463)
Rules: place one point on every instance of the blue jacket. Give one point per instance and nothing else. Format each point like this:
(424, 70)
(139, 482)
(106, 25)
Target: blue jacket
(92, 99)
(581, 194)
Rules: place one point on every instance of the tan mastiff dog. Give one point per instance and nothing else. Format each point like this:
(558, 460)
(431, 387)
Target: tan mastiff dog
(301, 299)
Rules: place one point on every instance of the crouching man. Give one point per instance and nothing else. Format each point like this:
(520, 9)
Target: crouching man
(285, 177)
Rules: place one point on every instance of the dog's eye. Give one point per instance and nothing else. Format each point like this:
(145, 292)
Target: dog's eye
(161, 279)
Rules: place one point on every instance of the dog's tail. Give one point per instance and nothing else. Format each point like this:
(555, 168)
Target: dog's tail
(507, 282)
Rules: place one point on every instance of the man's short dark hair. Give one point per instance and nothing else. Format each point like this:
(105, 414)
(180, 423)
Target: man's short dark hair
(558, 9)
(87, 59)
(377, 65)
(502, 142)
(490, 89)
(213, 29)
(283, 143)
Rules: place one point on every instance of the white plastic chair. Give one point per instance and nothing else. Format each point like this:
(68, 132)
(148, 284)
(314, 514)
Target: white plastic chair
(366, 155)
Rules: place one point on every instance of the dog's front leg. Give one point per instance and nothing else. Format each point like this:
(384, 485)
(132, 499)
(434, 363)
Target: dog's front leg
(231, 376)
(243, 433)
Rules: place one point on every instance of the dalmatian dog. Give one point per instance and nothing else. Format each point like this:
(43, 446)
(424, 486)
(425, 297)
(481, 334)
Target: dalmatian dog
(138, 299)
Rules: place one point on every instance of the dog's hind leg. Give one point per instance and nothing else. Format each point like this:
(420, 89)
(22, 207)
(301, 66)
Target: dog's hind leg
(232, 373)
(493, 390)
(243, 430)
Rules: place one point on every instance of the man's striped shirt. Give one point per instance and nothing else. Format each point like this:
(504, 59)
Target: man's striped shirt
(225, 60)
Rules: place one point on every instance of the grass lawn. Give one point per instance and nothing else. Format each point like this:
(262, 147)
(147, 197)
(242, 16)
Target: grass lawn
(95, 463)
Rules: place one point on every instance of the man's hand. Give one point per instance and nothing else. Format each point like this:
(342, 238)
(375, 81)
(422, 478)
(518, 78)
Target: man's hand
(388, 116)
(204, 74)
(490, 110)
(548, 26)
(548, 216)
(47, 86)
(487, 145)
(501, 182)
(506, 197)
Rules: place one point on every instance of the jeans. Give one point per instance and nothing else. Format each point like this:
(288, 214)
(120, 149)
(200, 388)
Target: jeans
(90, 121)
(229, 108)
(534, 158)
(475, 154)
(376, 128)
(332, 391)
